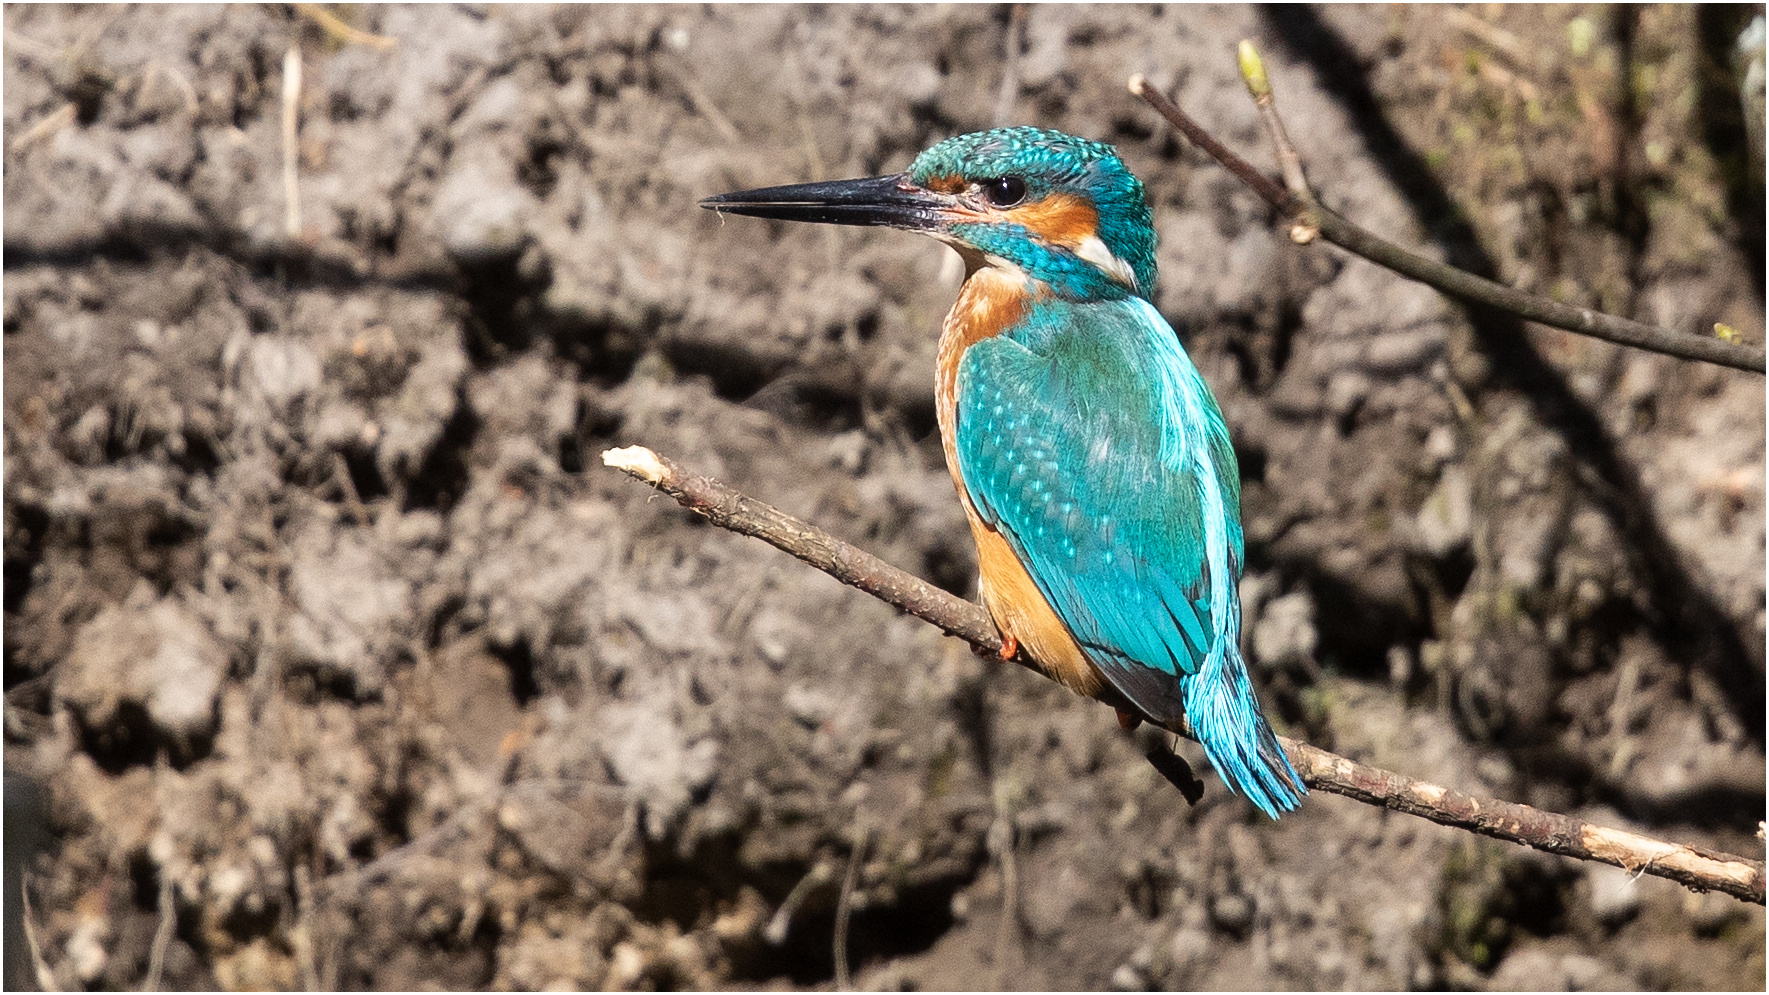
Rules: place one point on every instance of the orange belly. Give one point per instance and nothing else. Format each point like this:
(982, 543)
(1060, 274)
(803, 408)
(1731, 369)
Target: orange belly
(1020, 610)
(989, 303)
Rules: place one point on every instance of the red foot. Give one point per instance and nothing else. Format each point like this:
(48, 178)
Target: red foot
(1009, 646)
(1127, 721)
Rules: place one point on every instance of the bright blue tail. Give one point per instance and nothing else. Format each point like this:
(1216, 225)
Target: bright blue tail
(1225, 716)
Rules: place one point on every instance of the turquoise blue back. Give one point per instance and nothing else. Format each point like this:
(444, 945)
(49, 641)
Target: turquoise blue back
(1088, 439)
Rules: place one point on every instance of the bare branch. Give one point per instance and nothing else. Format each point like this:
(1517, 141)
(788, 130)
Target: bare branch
(849, 564)
(1696, 869)
(1307, 213)
(1244, 171)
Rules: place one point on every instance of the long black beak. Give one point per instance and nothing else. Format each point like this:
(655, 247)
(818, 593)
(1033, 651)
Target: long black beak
(891, 201)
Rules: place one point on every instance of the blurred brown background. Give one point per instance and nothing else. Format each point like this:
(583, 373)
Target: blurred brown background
(339, 660)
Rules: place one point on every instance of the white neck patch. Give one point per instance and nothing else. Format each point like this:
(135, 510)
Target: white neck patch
(1094, 251)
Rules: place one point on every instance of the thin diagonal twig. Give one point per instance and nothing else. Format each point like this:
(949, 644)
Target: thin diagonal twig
(1448, 279)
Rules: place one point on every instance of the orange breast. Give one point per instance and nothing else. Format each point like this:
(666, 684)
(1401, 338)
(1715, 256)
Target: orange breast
(992, 301)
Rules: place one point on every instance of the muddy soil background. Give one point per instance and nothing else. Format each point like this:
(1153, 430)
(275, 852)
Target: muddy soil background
(335, 658)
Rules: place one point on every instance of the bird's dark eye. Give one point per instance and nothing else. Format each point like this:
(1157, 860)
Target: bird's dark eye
(1005, 192)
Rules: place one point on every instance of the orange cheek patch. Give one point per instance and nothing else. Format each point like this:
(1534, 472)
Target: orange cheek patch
(1061, 219)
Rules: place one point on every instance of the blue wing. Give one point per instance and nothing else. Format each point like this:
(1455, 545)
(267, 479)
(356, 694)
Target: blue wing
(1086, 437)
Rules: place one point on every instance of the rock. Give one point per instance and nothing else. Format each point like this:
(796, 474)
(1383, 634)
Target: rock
(1189, 945)
(537, 960)
(1232, 913)
(481, 212)
(647, 751)
(159, 657)
(1615, 895)
(1445, 522)
(811, 706)
(415, 421)
(1048, 902)
(1710, 913)
(1347, 390)
(1441, 446)
(349, 604)
(558, 835)
(1127, 979)
(1285, 632)
(776, 634)
(282, 369)
(1551, 968)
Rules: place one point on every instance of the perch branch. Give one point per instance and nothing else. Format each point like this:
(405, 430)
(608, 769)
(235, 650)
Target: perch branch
(1308, 216)
(1694, 868)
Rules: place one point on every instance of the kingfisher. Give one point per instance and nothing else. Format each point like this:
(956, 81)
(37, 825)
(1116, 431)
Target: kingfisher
(1092, 461)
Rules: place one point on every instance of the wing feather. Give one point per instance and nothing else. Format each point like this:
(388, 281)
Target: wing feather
(1087, 439)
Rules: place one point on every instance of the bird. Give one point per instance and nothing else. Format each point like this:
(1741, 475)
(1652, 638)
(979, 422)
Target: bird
(1092, 460)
